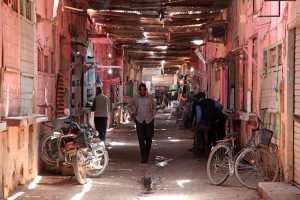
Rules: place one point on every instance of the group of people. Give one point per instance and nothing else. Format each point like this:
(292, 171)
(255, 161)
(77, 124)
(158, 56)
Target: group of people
(206, 114)
(143, 110)
(208, 122)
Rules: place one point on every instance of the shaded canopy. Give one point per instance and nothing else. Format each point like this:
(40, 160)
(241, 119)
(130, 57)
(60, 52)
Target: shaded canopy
(152, 31)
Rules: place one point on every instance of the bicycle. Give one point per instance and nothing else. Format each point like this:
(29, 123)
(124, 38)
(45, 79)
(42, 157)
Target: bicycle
(253, 164)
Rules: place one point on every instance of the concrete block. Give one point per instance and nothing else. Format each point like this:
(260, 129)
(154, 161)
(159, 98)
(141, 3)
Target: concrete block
(3, 126)
(278, 191)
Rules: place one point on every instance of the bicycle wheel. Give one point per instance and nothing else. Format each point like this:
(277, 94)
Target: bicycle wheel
(218, 164)
(256, 165)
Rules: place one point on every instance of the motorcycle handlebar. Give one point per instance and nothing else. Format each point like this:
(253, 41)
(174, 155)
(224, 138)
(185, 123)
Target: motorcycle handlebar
(72, 121)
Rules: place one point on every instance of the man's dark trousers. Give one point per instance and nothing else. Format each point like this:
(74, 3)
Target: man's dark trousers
(145, 134)
(100, 125)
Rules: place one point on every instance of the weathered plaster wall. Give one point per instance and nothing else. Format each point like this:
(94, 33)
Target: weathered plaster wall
(291, 22)
(19, 48)
(214, 50)
(244, 26)
(72, 30)
(11, 61)
(19, 149)
(1, 36)
(46, 46)
(276, 32)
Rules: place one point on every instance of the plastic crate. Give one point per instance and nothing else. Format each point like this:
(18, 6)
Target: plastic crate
(264, 137)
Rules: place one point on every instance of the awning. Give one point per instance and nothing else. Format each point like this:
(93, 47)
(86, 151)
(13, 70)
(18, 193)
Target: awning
(109, 66)
(232, 55)
(229, 58)
(114, 81)
(99, 39)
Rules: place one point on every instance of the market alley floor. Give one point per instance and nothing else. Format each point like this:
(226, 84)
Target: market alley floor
(172, 172)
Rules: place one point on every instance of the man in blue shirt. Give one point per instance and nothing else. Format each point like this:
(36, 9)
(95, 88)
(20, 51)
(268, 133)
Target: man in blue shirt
(198, 113)
(199, 134)
(206, 118)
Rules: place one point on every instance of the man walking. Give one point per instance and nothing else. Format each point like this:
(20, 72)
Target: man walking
(143, 111)
(101, 106)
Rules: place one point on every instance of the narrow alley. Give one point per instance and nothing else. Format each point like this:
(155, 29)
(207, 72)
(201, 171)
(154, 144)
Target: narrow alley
(172, 172)
(221, 78)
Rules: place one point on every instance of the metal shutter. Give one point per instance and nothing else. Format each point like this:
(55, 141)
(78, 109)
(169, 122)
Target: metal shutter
(26, 95)
(254, 77)
(245, 85)
(297, 109)
(27, 67)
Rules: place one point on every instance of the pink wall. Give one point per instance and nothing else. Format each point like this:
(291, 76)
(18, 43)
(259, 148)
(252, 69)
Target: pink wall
(243, 27)
(11, 64)
(51, 36)
(71, 27)
(45, 38)
(214, 50)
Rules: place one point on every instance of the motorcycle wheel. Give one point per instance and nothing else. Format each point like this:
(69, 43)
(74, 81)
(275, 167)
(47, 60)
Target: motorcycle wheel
(99, 163)
(79, 168)
(45, 149)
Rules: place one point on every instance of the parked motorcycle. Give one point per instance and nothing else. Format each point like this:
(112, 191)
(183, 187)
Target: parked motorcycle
(77, 146)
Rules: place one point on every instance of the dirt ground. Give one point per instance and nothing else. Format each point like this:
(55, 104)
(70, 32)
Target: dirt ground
(171, 172)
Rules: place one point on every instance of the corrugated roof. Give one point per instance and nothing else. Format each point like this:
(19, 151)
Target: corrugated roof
(142, 26)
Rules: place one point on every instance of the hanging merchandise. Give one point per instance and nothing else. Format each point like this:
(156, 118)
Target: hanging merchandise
(114, 81)
(99, 81)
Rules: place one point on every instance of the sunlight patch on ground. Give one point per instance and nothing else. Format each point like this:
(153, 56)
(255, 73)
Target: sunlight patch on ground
(164, 197)
(87, 187)
(115, 184)
(181, 182)
(163, 163)
(172, 140)
(162, 129)
(34, 183)
(120, 144)
(130, 170)
(117, 144)
(15, 196)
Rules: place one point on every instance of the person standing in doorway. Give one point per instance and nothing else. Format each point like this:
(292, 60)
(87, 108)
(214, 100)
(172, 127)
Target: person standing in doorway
(143, 112)
(101, 106)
